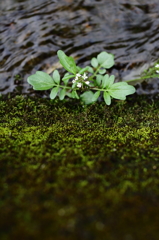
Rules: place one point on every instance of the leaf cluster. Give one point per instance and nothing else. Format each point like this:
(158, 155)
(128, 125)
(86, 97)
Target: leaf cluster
(94, 82)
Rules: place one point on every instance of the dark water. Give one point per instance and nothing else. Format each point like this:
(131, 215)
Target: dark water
(32, 31)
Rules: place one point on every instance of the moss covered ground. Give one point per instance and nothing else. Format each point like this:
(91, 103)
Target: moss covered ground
(69, 173)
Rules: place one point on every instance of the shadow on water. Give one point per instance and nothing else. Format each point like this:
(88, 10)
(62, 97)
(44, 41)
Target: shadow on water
(32, 31)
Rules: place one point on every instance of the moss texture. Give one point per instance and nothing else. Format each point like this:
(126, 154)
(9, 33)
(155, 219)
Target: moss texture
(70, 172)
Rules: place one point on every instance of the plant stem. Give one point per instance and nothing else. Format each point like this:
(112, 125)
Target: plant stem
(62, 86)
(141, 78)
(95, 73)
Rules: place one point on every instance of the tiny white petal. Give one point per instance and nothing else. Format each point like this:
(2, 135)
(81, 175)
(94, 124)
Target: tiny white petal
(78, 75)
(157, 66)
(87, 82)
(73, 80)
(79, 85)
(157, 71)
(84, 76)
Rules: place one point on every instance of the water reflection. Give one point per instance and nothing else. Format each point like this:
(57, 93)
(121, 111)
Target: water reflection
(31, 32)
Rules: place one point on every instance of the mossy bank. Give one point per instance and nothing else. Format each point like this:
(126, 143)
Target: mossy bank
(69, 172)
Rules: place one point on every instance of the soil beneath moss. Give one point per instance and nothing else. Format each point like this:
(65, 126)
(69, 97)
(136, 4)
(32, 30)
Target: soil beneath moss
(69, 173)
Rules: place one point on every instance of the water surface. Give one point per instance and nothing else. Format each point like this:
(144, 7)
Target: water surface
(32, 31)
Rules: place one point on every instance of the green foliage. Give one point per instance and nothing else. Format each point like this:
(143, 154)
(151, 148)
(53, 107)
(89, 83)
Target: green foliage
(105, 60)
(67, 62)
(86, 97)
(41, 81)
(90, 82)
(56, 77)
(94, 62)
(107, 98)
(120, 90)
(54, 92)
(62, 94)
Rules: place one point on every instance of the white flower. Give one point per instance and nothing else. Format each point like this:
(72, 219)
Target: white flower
(84, 76)
(79, 84)
(157, 66)
(78, 75)
(75, 79)
(87, 82)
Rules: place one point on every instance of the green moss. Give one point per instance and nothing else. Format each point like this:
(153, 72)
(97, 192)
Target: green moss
(69, 172)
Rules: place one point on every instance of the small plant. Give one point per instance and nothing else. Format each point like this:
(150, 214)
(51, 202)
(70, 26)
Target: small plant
(147, 74)
(86, 84)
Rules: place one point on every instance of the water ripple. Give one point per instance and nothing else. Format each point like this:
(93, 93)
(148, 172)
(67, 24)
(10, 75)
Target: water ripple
(31, 32)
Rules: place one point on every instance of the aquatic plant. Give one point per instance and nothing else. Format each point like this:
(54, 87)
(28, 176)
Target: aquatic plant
(87, 83)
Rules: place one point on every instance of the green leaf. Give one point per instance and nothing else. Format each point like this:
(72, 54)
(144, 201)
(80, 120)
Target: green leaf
(121, 90)
(41, 81)
(119, 85)
(102, 71)
(54, 92)
(99, 79)
(86, 97)
(83, 70)
(90, 69)
(74, 94)
(74, 85)
(78, 68)
(62, 94)
(66, 74)
(107, 98)
(65, 81)
(107, 81)
(95, 96)
(67, 62)
(111, 81)
(67, 77)
(56, 76)
(105, 60)
(69, 94)
(94, 62)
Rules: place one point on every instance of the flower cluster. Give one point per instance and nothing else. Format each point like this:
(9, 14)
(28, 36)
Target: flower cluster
(157, 66)
(81, 80)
